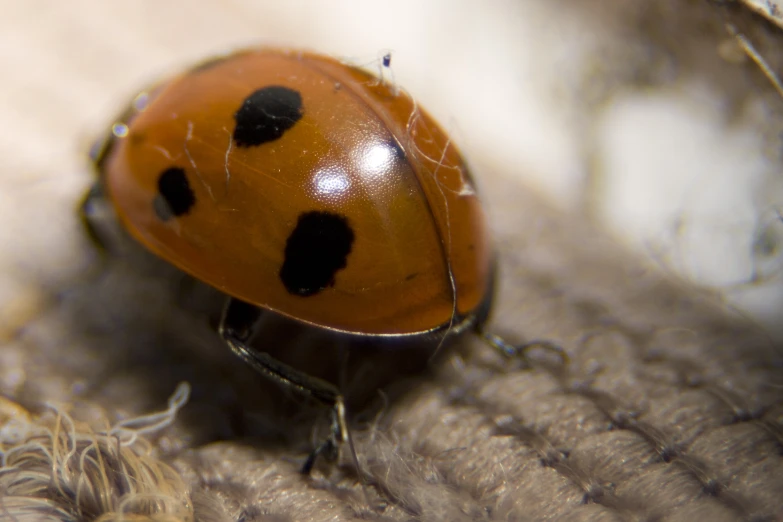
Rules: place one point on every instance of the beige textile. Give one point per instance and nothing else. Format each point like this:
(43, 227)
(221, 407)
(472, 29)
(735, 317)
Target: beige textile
(668, 407)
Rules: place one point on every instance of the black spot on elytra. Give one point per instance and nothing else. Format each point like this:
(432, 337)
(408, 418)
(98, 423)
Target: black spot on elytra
(266, 115)
(314, 252)
(175, 197)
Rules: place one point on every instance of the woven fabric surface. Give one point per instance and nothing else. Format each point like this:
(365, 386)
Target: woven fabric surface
(667, 405)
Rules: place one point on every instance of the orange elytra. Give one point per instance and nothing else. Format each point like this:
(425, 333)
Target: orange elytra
(297, 184)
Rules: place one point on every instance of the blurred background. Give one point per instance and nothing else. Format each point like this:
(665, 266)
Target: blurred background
(655, 118)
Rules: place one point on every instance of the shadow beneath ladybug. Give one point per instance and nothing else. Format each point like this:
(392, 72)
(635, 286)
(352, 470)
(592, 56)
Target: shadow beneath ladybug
(144, 327)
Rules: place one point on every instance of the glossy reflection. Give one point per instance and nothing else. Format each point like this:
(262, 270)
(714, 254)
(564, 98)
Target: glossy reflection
(331, 182)
(374, 159)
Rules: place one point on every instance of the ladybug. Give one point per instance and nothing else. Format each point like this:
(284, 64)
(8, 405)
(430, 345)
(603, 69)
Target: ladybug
(298, 185)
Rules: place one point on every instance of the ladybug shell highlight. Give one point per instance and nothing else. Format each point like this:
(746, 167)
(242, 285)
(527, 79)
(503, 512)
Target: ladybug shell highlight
(305, 186)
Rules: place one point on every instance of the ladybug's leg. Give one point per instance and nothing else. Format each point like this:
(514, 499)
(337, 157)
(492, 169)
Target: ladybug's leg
(236, 328)
(522, 352)
(94, 212)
